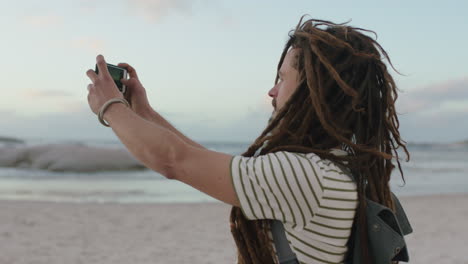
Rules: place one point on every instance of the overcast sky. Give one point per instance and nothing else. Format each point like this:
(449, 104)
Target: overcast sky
(207, 65)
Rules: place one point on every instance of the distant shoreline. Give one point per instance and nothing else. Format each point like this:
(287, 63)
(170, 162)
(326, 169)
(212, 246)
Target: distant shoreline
(9, 139)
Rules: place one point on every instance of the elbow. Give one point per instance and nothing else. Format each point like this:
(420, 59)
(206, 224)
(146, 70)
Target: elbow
(170, 169)
(164, 158)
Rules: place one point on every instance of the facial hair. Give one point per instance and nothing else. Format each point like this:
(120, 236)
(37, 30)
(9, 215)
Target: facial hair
(272, 116)
(269, 133)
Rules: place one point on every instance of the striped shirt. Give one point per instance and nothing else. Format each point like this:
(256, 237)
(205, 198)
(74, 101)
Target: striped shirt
(315, 200)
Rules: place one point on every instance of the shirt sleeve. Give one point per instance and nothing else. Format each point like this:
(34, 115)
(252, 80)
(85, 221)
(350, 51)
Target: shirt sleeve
(283, 186)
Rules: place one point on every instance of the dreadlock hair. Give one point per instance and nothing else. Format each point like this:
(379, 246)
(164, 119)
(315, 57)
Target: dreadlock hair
(345, 97)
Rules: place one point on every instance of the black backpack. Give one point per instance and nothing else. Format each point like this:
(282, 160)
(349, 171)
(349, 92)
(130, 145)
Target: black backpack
(386, 231)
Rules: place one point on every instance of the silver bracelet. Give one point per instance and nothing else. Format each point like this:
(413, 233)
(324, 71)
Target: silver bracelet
(106, 105)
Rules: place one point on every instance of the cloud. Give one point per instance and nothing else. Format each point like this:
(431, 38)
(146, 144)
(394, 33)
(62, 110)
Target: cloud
(227, 21)
(94, 45)
(150, 10)
(242, 128)
(440, 113)
(87, 7)
(40, 93)
(438, 127)
(155, 10)
(43, 20)
(436, 112)
(447, 96)
(83, 124)
(58, 125)
(38, 102)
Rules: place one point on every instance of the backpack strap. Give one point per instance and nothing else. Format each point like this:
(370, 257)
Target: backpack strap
(283, 250)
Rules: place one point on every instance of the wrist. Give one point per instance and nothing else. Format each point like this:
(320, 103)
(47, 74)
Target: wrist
(112, 111)
(145, 112)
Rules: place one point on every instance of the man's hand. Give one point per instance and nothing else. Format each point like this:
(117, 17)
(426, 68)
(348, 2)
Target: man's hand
(102, 87)
(136, 93)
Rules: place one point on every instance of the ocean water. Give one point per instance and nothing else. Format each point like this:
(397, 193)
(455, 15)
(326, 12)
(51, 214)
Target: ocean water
(433, 169)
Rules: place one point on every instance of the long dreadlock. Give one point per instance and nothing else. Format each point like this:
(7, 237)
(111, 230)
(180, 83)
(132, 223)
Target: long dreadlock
(345, 97)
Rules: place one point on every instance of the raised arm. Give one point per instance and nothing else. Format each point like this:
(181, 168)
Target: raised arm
(157, 147)
(136, 96)
(151, 115)
(165, 152)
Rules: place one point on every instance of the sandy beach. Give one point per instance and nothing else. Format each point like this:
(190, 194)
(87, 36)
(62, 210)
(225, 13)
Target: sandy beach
(58, 233)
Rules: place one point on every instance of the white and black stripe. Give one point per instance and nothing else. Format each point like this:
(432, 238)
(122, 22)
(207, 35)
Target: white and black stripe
(315, 200)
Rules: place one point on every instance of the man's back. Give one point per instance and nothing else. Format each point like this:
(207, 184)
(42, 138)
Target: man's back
(314, 199)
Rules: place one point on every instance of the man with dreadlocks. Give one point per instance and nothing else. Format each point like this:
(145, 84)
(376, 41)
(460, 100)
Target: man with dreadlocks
(327, 148)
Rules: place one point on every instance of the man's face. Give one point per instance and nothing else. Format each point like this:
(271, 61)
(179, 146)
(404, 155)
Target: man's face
(287, 82)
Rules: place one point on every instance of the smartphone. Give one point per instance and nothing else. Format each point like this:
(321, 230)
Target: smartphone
(117, 74)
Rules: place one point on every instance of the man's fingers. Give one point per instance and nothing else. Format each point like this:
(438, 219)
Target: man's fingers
(129, 82)
(92, 75)
(131, 71)
(102, 65)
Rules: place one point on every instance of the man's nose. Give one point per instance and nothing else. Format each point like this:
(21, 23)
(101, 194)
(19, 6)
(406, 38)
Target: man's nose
(273, 92)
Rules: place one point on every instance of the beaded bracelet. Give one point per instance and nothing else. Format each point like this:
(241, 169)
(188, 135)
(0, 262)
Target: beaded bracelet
(106, 105)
